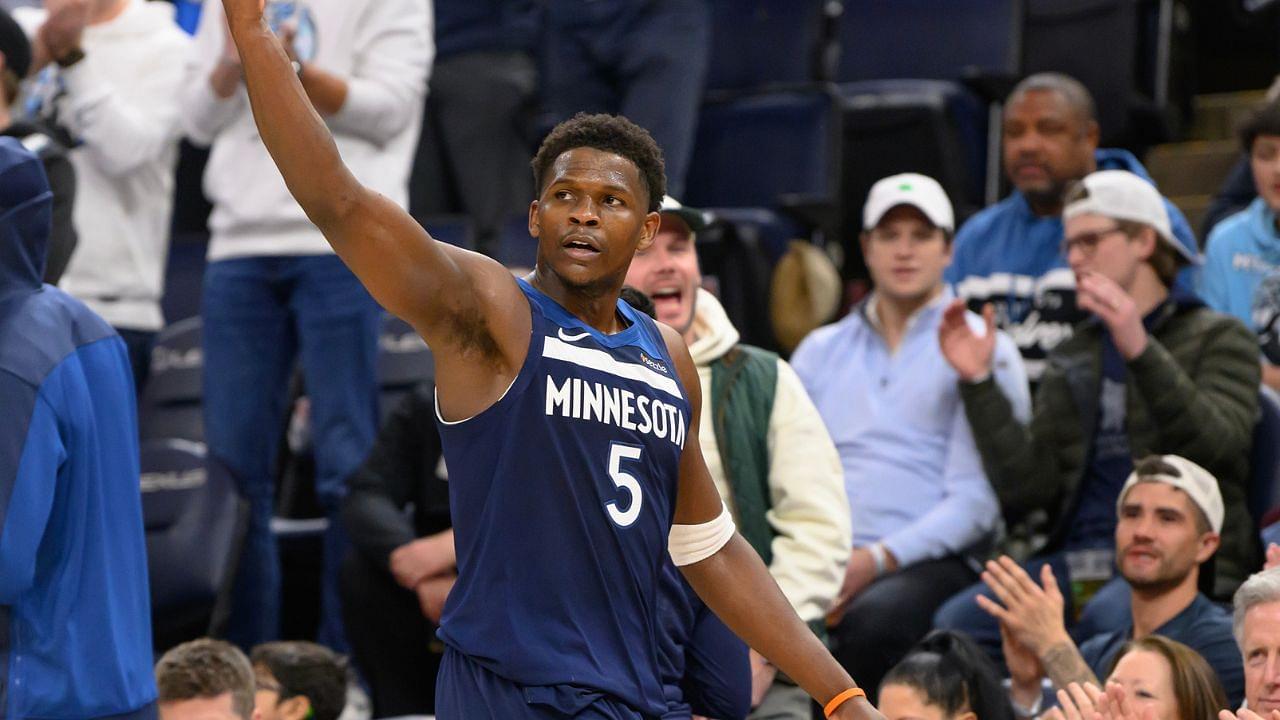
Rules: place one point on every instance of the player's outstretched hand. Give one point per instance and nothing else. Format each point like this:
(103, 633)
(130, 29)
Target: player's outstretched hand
(239, 11)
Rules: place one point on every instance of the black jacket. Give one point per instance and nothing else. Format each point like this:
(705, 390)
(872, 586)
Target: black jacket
(399, 472)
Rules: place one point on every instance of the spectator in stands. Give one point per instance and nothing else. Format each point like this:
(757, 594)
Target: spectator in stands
(642, 59)
(920, 501)
(1238, 188)
(75, 622)
(109, 74)
(765, 444)
(1170, 516)
(1155, 678)
(206, 680)
(1152, 372)
(473, 157)
(1008, 254)
(273, 290)
(944, 677)
(1256, 624)
(401, 567)
(15, 56)
(296, 680)
(1242, 258)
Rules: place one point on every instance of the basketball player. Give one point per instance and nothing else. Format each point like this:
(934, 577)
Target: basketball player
(569, 422)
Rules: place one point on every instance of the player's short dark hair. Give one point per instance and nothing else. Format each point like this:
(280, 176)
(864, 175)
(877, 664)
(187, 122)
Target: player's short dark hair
(612, 134)
(308, 670)
(953, 673)
(206, 668)
(1264, 120)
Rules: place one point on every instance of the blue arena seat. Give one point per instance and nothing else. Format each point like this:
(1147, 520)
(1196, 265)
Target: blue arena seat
(764, 149)
(755, 43)
(194, 525)
(404, 361)
(929, 39)
(170, 403)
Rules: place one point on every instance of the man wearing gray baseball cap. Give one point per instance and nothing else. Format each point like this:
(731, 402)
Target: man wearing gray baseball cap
(1151, 371)
(1169, 516)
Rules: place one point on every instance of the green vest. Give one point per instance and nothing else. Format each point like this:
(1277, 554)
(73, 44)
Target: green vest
(743, 384)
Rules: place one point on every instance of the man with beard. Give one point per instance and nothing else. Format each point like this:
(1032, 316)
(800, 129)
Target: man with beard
(1169, 515)
(1008, 254)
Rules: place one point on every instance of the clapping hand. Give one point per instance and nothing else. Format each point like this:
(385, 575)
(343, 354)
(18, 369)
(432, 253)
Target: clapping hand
(967, 352)
(1032, 614)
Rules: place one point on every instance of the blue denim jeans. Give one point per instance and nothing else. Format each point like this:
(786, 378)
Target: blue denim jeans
(261, 315)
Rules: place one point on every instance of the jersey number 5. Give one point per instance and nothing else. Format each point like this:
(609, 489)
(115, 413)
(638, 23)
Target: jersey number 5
(626, 481)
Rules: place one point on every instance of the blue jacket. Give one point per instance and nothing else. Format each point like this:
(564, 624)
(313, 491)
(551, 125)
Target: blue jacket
(1008, 256)
(75, 621)
(1242, 269)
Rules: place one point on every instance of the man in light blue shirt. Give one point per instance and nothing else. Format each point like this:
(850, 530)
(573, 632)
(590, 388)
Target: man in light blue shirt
(919, 498)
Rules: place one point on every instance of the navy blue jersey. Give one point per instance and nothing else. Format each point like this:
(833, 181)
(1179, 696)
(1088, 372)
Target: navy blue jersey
(562, 493)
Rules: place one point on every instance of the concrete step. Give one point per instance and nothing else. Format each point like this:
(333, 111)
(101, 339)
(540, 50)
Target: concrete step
(1218, 115)
(1197, 167)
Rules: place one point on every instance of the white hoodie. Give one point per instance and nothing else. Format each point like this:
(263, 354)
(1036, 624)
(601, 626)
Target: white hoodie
(383, 48)
(810, 512)
(122, 101)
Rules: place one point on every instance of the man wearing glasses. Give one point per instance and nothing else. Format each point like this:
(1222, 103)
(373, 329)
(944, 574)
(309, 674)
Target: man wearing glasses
(1151, 371)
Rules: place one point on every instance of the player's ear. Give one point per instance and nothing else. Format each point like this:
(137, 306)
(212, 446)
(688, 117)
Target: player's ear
(649, 230)
(534, 227)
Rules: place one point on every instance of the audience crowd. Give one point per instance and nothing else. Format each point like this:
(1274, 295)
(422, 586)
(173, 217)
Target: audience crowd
(1017, 479)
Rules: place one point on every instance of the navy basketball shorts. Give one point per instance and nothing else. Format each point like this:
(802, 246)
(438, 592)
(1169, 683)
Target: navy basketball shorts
(467, 691)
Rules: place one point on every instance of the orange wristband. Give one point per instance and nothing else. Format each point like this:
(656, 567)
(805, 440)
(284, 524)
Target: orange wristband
(841, 699)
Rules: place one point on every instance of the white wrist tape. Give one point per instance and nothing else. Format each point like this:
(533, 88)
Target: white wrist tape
(690, 543)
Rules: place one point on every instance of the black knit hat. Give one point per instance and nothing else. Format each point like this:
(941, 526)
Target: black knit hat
(14, 45)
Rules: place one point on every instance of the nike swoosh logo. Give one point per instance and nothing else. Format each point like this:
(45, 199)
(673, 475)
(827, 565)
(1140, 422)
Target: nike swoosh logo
(571, 338)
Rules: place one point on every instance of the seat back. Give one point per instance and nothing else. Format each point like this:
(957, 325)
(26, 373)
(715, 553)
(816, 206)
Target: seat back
(755, 43)
(170, 404)
(753, 150)
(933, 39)
(404, 361)
(194, 523)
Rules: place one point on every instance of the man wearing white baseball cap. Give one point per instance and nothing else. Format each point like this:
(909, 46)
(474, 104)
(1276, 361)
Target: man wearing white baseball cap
(1170, 514)
(1152, 370)
(919, 499)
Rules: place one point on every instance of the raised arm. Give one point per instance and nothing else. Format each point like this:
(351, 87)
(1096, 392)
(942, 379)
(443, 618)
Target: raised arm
(735, 583)
(461, 302)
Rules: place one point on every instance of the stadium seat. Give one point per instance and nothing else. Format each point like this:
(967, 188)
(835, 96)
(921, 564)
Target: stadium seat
(931, 127)
(1121, 45)
(404, 361)
(194, 525)
(170, 402)
(1264, 490)
(757, 43)
(516, 247)
(930, 39)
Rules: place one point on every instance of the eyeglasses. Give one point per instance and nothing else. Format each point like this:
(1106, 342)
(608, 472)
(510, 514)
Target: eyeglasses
(269, 685)
(1086, 241)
